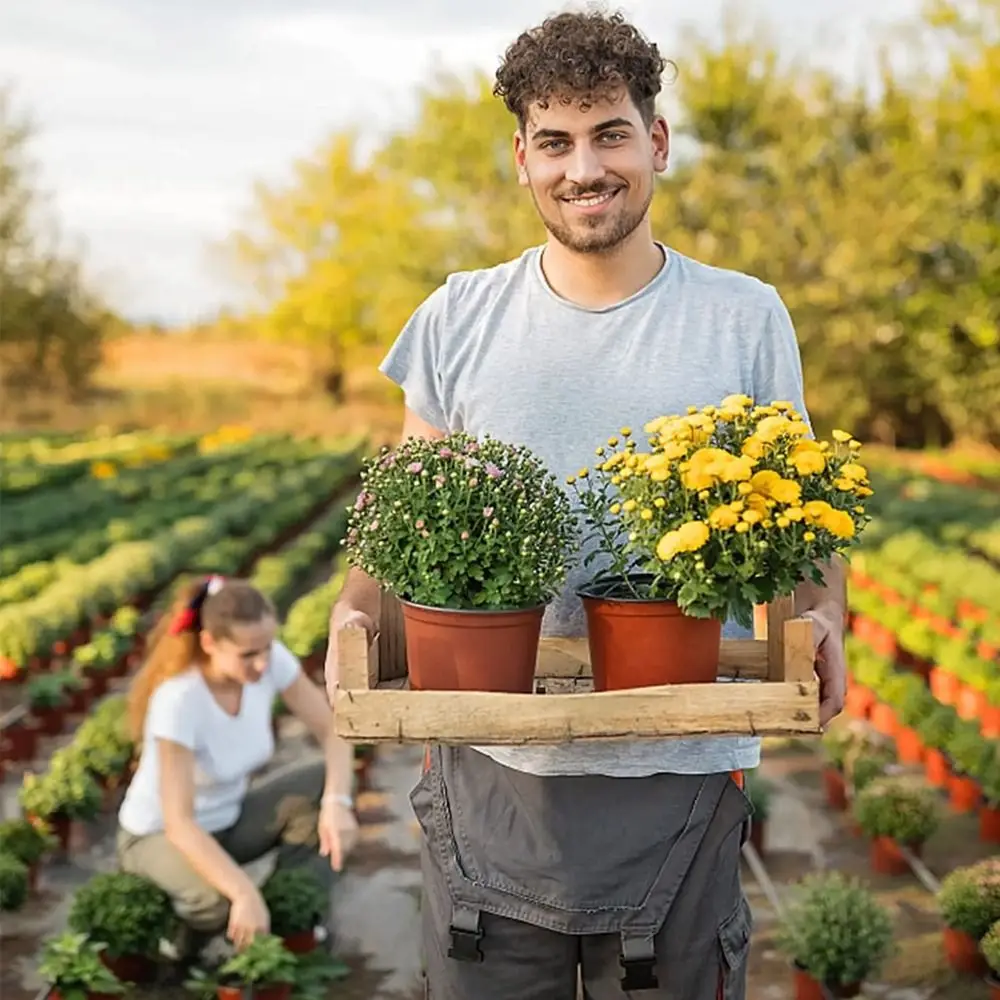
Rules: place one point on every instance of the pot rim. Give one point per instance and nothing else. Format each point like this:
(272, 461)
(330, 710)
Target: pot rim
(589, 590)
(475, 611)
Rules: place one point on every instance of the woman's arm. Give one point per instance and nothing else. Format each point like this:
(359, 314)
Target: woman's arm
(201, 849)
(306, 702)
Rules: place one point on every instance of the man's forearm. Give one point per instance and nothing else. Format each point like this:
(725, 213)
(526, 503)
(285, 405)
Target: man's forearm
(831, 594)
(360, 593)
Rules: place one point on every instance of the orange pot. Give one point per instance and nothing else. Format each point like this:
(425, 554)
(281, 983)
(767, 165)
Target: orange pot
(963, 793)
(859, 702)
(640, 643)
(962, 952)
(944, 686)
(836, 788)
(989, 722)
(989, 823)
(971, 702)
(883, 719)
(936, 768)
(909, 748)
(886, 858)
(449, 650)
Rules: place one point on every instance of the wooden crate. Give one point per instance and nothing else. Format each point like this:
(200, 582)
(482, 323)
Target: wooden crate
(374, 703)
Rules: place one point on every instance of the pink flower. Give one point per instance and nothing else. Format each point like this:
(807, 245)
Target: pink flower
(415, 467)
(464, 536)
(493, 471)
(420, 524)
(487, 512)
(446, 452)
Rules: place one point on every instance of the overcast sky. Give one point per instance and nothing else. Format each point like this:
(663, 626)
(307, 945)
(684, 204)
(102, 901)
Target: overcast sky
(156, 117)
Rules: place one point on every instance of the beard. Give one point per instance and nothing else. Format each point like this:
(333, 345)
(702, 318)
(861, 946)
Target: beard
(596, 234)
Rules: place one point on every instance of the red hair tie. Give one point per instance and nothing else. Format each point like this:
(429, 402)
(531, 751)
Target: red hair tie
(188, 618)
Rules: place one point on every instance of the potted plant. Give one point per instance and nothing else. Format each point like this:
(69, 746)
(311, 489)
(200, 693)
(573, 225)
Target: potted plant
(473, 538)
(935, 731)
(760, 792)
(915, 704)
(297, 903)
(969, 756)
(265, 964)
(969, 903)
(836, 934)
(65, 793)
(28, 842)
(894, 813)
(47, 702)
(835, 744)
(71, 964)
(732, 507)
(13, 882)
(104, 748)
(989, 811)
(130, 915)
(990, 947)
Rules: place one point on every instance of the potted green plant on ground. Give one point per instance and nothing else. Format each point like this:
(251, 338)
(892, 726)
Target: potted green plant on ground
(48, 703)
(71, 964)
(896, 812)
(989, 811)
(990, 947)
(265, 964)
(297, 903)
(64, 794)
(835, 743)
(13, 882)
(732, 507)
(969, 903)
(970, 757)
(28, 842)
(935, 731)
(760, 792)
(473, 537)
(836, 934)
(130, 915)
(105, 750)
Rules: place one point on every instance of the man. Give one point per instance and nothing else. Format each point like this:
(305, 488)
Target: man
(617, 862)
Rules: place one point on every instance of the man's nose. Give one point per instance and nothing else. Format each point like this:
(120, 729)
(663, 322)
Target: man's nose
(584, 167)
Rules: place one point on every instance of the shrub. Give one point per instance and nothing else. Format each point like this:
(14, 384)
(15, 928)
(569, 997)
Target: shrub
(990, 947)
(13, 882)
(969, 899)
(295, 899)
(26, 841)
(72, 964)
(900, 808)
(264, 962)
(127, 912)
(836, 930)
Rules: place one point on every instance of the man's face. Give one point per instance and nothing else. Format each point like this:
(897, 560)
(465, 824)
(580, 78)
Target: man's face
(591, 172)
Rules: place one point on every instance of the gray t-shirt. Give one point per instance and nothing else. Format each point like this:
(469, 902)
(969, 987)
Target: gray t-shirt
(496, 351)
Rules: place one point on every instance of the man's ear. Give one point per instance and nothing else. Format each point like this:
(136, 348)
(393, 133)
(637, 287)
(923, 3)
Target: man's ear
(520, 149)
(660, 137)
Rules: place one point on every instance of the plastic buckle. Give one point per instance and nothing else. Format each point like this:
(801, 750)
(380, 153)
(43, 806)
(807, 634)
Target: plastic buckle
(640, 974)
(465, 945)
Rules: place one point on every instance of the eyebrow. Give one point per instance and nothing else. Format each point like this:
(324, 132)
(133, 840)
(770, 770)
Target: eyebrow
(554, 133)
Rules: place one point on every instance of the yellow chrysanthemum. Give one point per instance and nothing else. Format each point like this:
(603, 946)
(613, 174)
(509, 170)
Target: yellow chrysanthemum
(723, 517)
(738, 401)
(692, 536)
(855, 471)
(839, 523)
(842, 436)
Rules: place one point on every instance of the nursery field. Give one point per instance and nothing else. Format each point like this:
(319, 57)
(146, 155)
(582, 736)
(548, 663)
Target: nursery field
(97, 531)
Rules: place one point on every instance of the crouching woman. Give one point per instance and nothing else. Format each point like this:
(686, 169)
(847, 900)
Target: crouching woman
(200, 709)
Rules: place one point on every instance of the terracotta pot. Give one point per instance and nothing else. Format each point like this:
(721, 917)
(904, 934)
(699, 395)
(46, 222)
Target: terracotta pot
(22, 742)
(962, 952)
(61, 828)
(859, 702)
(989, 823)
(131, 968)
(963, 793)
(301, 943)
(98, 681)
(636, 644)
(472, 650)
(280, 992)
(971, 702)
(50, 720)
(909, 747)
(989, 722)
(993, 982)
(883, 719)
(944, 686)
(806, 988)
(836, 788)
(886, 858)
(936, 768)
(79, 701)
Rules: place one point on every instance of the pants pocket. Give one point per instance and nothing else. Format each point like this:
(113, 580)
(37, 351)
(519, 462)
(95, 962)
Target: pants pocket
(734, 951)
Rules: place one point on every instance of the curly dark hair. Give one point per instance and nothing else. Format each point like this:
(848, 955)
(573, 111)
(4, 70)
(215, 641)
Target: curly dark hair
(580, 57)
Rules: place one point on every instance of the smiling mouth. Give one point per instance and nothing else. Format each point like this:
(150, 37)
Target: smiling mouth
(592, 200)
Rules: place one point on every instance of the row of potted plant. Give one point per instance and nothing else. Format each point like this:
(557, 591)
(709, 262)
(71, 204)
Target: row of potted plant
(30, 630)
(731, 506)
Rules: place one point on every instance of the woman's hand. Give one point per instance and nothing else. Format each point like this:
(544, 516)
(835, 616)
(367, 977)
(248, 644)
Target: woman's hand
(248, 917)
(338, 830)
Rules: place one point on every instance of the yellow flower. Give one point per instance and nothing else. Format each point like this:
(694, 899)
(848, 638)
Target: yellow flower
(646, 514)
(723, 517)
(839, 523)
(613, 442)
(570, 480)
(843, 484)
(816, 510)
(754, 448)
(842, 436)
(583, 473)
(795, 514)
(771, 428)
(737, 402)
(763, 481)
(744, 489)
(782, 404)
(810, 536)
(855, 471)
(599, 452)
(626, 432)
(757, 502)
(674, 450)
(616, 508)
(806, 458)
(666, 547)
(753, 516)
(655, 426)
(103, 470)
(864, 491)
(859, 510)
(783, 521)
(854, 445)
(629, 505)
(692, 536)
(786, 491)
(659, 502)
(742, 527)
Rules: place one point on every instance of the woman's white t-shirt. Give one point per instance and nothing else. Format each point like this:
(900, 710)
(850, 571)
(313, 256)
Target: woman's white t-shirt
(227, 748)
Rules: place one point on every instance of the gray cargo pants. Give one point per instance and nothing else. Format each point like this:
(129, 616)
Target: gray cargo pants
(531, 884)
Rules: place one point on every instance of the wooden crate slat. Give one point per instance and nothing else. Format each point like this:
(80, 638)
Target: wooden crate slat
(357, 662)
(392, 638)
(477, 717)
(779, 611)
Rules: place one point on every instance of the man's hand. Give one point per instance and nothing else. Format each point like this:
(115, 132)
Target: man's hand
(831, 662)
(338, 620)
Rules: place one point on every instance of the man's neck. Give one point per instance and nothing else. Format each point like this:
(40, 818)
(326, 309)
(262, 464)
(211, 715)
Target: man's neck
(596, 280)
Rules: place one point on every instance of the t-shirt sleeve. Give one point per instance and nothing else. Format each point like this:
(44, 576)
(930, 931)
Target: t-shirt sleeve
(173, 715)
(413, 361)
(284, 667)
(777, 372)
